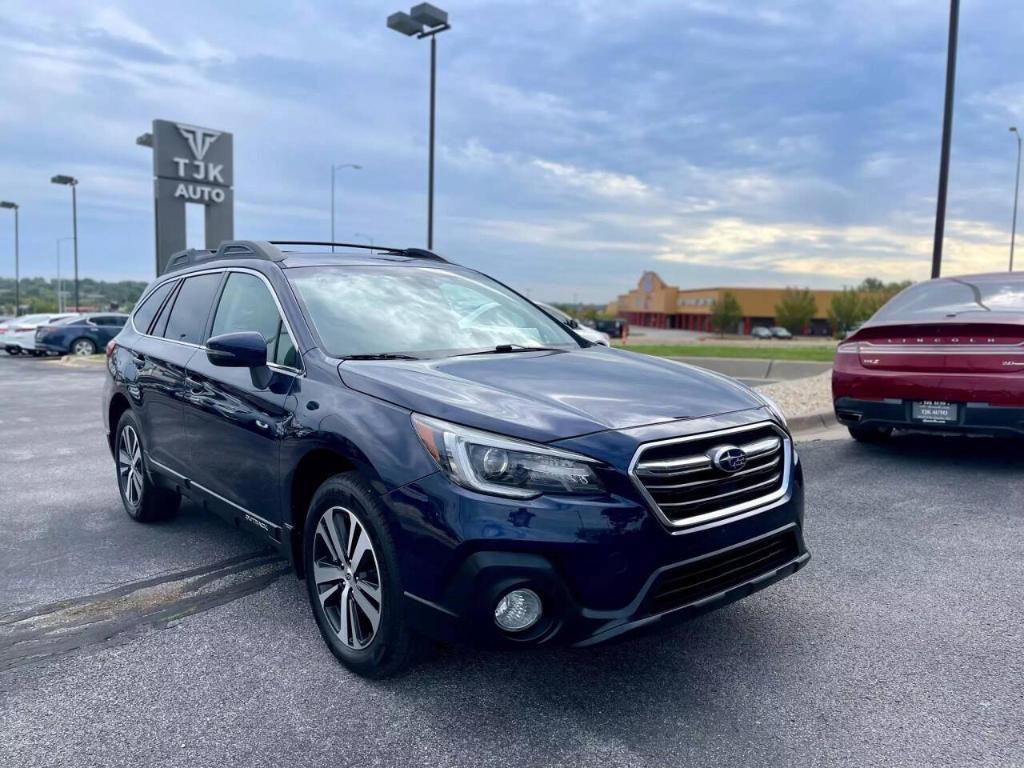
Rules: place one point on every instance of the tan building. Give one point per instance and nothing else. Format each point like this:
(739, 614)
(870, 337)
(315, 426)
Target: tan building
(656, 304)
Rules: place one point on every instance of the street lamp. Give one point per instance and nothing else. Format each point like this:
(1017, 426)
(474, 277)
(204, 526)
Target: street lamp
(947, 137)
(60, 285)
(1016, 195)
(425, 20)
(17, 271)
(72, 182)
(334, 169)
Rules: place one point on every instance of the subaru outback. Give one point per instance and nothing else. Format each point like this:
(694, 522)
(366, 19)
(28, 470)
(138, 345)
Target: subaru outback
(438, 457)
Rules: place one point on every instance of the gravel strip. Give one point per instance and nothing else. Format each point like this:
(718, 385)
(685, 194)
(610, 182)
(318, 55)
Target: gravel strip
(802, 397)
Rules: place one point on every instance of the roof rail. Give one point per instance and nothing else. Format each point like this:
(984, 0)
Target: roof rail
(412, 253)
(263, 249)
(229, 249)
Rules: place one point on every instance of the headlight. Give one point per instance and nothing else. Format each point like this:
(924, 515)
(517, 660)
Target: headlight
(504, 466)
(772, 406)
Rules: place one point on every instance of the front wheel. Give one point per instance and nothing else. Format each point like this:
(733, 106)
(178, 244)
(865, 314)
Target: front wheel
(353, 580)
(143, 499)
(870, 434)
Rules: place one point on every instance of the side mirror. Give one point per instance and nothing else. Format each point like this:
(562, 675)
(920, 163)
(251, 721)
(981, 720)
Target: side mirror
(245, 349)
(574, 323)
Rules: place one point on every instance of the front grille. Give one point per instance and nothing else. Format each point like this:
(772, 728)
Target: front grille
(687, 485)
(709, 576)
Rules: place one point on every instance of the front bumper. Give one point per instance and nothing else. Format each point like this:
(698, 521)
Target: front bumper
(601, 569)
(972, 418)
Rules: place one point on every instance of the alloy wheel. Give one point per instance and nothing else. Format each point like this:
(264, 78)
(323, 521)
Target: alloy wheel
(347, 577)
(83, 347)
(129, 465)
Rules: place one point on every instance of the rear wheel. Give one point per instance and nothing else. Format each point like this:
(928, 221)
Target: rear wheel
(353, 581)
(83, 347)
(13, 351)
(870, 434)
(143, 499)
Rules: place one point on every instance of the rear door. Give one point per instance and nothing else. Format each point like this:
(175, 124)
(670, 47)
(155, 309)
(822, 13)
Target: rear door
(233, 428)
(161, 358)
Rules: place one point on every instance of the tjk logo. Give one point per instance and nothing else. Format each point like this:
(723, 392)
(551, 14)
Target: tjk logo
(199, 141)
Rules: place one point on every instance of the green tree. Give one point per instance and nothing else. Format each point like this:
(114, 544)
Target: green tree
(875, 293)
(795, 309)
(726, 313)
(845, 309)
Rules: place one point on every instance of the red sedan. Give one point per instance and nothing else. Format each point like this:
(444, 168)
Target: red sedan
(944, 355)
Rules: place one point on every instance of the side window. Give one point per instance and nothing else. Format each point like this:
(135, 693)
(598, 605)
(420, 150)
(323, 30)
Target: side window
(247, 305)
(146, 311)
(191, 309)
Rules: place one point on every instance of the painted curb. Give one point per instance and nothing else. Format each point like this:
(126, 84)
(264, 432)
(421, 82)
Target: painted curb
(812, 421)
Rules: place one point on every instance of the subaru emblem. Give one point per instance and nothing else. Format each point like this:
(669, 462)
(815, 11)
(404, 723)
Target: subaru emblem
(729, 458)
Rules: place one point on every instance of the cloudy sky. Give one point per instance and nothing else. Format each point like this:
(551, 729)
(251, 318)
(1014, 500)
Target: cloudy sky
(762, 142)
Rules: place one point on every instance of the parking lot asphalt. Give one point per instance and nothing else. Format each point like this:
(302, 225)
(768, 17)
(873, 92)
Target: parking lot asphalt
(183, 644)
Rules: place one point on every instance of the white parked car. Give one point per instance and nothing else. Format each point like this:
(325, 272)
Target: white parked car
(18, 336)
(590, 334)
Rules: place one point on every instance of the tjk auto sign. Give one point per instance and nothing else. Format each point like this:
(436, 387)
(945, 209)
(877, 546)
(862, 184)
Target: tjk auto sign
(191, 165)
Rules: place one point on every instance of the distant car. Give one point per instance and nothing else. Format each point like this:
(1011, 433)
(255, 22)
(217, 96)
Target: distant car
(83, 335)
(944, 355)
(778, 332)
(19, 335)
(760, 332)
(591, 335)
(616, 329)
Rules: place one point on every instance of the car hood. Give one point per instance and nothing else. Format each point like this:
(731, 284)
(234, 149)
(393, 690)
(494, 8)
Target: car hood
(546, 396)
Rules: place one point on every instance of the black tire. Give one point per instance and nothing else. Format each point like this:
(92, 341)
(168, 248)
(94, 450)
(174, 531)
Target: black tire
(13, 351)
(83, 347)
(390, 648)
(870, 434)
(143, 500)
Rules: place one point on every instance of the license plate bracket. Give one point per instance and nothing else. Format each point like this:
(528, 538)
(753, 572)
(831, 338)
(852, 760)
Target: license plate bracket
(934, 412)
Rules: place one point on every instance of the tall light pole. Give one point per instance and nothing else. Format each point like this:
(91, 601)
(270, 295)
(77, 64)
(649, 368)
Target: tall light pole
(17, 269)
(334, 169)
(1016, 195)
(60, 285)
(947, 137)
(422, 21)
(72, 182)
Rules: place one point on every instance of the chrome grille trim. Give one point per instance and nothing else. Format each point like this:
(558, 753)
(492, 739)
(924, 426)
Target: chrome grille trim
(690, 464)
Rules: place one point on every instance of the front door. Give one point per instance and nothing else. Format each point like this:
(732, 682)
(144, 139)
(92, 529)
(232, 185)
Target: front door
(234, 428)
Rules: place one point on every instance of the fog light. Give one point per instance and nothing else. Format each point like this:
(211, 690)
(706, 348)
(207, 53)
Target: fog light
(518, 610)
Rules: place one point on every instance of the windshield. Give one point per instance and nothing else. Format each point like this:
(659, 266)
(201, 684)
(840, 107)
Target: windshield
(418, 312)
(953, 297)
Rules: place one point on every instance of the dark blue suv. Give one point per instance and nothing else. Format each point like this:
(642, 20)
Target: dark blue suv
(440, 458)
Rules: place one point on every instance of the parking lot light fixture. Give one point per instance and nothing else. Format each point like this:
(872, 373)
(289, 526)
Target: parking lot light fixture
(425, 20)
(334, 169)
(1016, 196)
(17, 272)
(72, 182)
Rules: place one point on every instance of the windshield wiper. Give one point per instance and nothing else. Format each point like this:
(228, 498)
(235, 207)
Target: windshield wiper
(379, 356)
(506, 349)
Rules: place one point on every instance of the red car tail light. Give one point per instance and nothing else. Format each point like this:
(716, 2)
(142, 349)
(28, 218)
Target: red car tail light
(23, 328)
